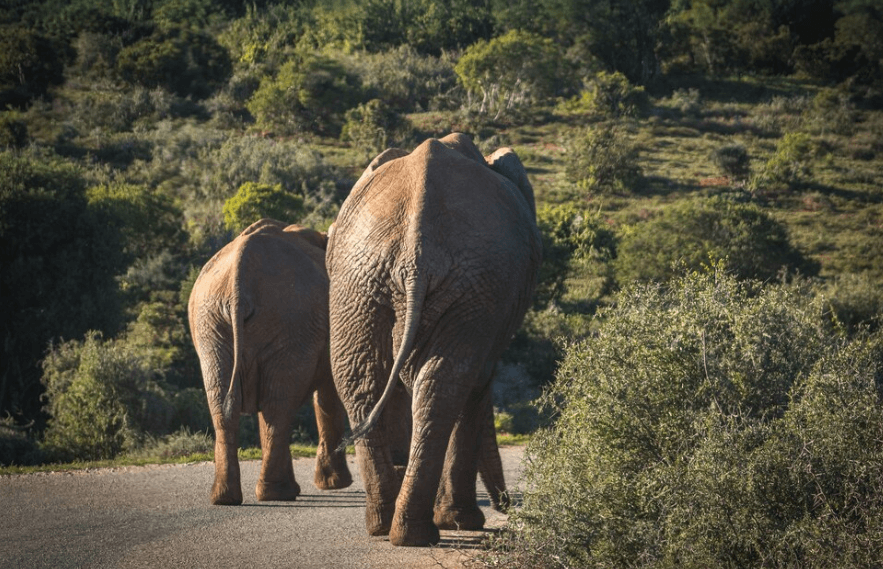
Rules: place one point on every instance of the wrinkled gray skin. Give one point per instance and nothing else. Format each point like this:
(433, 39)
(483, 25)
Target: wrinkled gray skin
(432, 261)
(259, 321)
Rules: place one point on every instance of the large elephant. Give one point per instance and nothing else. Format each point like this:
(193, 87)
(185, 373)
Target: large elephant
(433, 261)
(259, 320)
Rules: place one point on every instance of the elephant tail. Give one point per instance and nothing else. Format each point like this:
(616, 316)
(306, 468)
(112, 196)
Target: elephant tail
(415, 294)
(490, 466)
(237, 400)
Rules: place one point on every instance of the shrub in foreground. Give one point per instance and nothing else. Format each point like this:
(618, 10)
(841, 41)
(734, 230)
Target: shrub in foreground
(713, 423)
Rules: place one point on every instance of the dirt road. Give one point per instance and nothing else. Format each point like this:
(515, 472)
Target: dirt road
(160, 517)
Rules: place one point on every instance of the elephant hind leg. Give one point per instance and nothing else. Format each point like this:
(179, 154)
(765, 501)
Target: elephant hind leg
(276, 481)
(331, 469)
(456, 505)
(227, 489)
(441, 392)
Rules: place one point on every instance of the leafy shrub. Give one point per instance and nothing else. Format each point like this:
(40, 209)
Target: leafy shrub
(603, 160)
(711, 423)
(732, 160)
(264, 36)
(688, 101)
(538, 347)
(147, 219)
(16, 445)
(191, 409)
(790, 165)
(831, 112)
(610, 96)
(509, 71)
(184, 61)
(13, 130)
(855, 299)
(102, 398)
(570, 235)
(405, 79)
(203, 167)
(436, 26)
(255, 201)
(373, 127)
(160, 336)
(29, 64)
(59, 259)
(310, 93)
(119, 111)
(96, 54)
(699, 232)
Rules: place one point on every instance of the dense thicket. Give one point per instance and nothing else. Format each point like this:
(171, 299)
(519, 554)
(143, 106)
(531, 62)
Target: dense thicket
(708, 423)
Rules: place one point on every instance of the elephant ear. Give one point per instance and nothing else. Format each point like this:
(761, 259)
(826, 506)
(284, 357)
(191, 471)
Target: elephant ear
(261, 225)
(505, 162)
(387, 155)
(315, 238)
(462, 144)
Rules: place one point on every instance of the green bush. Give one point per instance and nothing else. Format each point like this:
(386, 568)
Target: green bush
(264, 36)
(831, 112)
(183, 61)
(373, 127)
(687, 101)
(603, 159)
(790, 166)
(60, 257)
(855, 300)
(732, 160)
(255, 201)
(17, 447)
(698, 232)
(147, 219)
(406, 80)
(102, 398)
(509, 72)
(610, 96)
(310, 93)
(29, 64)
(711, 423)
(571, 235)
(13, 130)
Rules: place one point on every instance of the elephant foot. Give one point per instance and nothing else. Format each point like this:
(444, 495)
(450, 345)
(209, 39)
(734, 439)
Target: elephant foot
(277, 492)
(333, 480)
(378, 520)
(469, 519)
(224, 495)
(332, 475)
(414, 533)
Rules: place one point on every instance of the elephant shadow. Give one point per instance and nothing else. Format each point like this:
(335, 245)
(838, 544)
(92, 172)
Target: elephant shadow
(325, 499)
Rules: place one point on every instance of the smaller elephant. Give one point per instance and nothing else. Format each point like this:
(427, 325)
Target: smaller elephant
(259, 321)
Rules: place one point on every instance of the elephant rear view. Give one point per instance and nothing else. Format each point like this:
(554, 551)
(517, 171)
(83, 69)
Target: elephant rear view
(259, 321)
(433, 261)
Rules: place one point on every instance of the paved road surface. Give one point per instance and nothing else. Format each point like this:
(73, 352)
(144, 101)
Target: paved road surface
(159, 516)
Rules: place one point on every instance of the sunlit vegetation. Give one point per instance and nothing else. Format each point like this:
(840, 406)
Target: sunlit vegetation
(675, 149)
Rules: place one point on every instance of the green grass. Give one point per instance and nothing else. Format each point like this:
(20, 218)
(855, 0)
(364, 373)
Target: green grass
(297, 451)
